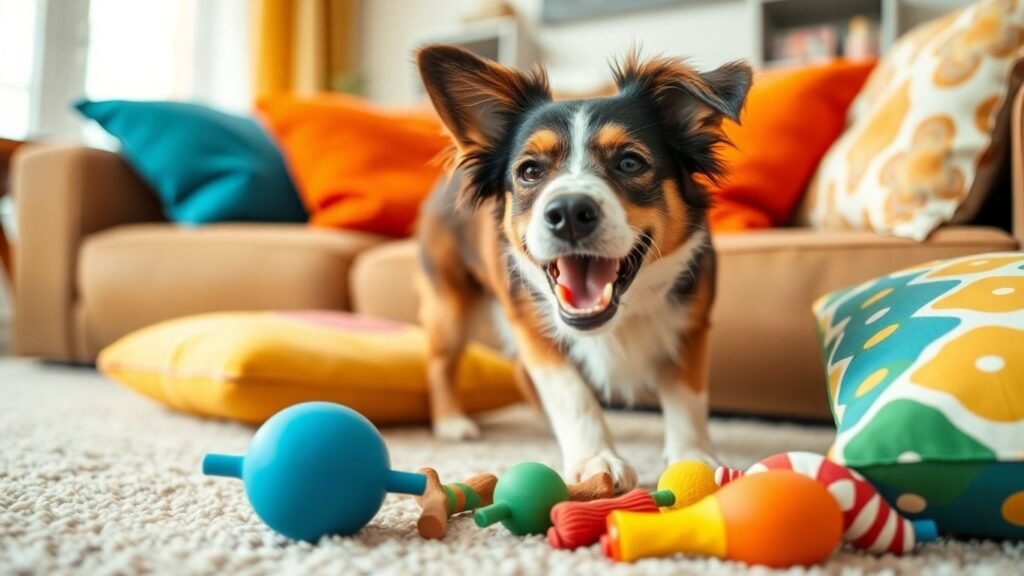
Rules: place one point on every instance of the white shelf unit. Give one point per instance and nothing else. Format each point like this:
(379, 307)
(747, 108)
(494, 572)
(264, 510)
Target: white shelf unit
(893, 18)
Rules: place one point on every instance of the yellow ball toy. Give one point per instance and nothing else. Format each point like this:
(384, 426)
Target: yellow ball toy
(689, 481)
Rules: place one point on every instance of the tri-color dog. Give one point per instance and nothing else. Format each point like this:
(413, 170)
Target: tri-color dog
(583, 221)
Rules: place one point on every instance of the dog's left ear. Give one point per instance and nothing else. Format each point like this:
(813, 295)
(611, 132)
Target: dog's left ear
(479, 101)
(693, 103)
(727, 88)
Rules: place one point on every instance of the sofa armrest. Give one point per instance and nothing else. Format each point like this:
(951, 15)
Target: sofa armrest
(1017, 166)
(63, 194)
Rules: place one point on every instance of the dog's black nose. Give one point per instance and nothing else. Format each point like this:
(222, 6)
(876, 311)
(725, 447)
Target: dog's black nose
(572, 217)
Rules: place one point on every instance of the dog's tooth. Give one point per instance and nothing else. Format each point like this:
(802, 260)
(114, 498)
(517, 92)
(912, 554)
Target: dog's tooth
(609, 290)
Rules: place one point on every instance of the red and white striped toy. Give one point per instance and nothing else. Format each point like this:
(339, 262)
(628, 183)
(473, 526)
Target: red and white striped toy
(869, 522)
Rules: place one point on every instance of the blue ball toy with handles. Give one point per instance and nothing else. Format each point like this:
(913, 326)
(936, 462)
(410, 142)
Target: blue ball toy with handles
(316, 469)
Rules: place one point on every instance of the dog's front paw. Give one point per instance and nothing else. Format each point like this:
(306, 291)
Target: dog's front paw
(623, 476)
(456, 429)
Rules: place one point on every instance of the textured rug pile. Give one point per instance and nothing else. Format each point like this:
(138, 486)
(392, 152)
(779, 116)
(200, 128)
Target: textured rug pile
(97, 480)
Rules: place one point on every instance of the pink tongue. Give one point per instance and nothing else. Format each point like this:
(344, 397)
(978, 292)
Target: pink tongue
(585, 278)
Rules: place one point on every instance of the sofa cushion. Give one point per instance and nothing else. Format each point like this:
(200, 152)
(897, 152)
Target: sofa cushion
(358, 167)
(928, 131)
(925, 369)
(133, 276)
(206, 166)
(790, 119)
(767, 281)
(249, 365)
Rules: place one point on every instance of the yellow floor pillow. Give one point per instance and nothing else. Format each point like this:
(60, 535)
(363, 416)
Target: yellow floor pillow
(248, 365)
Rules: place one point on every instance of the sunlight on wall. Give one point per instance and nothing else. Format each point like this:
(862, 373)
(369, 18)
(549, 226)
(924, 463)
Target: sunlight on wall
(135, 49)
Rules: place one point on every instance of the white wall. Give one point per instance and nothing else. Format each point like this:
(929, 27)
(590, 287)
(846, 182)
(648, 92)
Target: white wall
(709, 31)
(577, 54)
(61, 61)
(222, 63)
(387, 36)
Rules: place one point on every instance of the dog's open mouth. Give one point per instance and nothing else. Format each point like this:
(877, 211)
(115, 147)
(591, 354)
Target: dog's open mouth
(588, 287)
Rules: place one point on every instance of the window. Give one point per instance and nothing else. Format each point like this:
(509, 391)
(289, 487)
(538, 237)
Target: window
(169, 49)
(18, 26)
(139, 50)
(136, 51)
(53, 52)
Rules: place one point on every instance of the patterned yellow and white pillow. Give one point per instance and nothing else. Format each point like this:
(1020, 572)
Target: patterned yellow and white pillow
(926, 134)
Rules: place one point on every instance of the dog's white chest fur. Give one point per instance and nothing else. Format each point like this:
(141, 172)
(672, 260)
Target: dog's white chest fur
(623, 363)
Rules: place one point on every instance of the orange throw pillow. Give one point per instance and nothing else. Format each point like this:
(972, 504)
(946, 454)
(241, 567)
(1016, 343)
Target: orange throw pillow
(357, 167)
(791, 119)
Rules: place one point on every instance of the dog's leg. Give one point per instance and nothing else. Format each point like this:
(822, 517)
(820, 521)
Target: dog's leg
(525, 386)
(683, 391)
(578, 425)
(443, 313)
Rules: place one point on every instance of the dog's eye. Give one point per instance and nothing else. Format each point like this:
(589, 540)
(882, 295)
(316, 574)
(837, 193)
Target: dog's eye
(631, 164)
(530, 171)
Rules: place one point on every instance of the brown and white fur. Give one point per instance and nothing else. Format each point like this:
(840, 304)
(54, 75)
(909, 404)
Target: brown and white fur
(582, 221)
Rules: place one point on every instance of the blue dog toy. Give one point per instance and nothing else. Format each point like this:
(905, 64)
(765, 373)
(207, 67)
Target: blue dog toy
(315, 469)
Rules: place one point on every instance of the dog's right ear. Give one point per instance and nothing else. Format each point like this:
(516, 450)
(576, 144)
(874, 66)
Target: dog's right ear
(479, 101)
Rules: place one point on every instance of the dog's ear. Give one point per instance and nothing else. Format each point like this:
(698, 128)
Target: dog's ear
(479, 101)
(692, 103)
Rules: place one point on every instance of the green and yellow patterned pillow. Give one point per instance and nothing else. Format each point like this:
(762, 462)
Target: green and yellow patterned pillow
(925, 372)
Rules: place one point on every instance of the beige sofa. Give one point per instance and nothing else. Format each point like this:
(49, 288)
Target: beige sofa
(96, 260)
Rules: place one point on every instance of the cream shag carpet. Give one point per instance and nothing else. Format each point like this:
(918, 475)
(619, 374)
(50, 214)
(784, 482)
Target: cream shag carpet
(97, 480)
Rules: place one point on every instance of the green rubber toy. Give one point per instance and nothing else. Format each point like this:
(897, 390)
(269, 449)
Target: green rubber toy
(523, 499)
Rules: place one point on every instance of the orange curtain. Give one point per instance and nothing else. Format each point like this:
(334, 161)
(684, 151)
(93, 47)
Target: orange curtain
(304, 46)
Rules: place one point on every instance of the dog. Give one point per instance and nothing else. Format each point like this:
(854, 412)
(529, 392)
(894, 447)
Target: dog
(584, 221)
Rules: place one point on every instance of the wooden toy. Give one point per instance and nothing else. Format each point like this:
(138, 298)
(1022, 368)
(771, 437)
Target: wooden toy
(315, 469)
(575, 524)
(524, 496)
(689, 481)
(596, 487)
(441, 501)
(869, 523)
(779, 519)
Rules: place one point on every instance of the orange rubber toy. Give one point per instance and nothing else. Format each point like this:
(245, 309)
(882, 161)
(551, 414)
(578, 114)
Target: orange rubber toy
(869, 523)
(777, 519)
